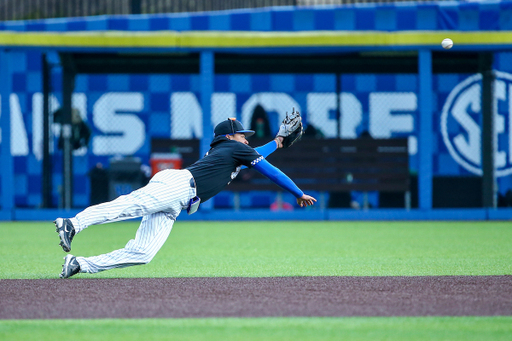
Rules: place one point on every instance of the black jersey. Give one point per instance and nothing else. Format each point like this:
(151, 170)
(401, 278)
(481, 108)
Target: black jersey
(221, 165)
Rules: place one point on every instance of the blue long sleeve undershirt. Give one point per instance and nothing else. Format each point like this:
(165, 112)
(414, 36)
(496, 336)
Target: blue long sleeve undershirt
(277, 176)
(265, 150)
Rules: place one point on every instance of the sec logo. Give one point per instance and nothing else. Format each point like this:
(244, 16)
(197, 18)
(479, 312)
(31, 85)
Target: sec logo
(461, 122)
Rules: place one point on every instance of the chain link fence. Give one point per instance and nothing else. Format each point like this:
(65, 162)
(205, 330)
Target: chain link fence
(122, 117)
(124, 114)
(41, 9)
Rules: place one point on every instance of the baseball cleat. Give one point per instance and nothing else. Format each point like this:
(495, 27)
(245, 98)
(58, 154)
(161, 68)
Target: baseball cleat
(70, 267)
(66, 233)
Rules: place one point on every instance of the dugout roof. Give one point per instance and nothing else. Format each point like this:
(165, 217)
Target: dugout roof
(176, 63)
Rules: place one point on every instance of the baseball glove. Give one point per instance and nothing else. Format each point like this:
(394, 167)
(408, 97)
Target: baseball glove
(291, 129)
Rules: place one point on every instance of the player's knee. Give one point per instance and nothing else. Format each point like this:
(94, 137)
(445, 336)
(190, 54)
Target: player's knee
(143, 254)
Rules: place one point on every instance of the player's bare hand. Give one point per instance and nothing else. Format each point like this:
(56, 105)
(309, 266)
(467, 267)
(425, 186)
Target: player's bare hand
(306, 200)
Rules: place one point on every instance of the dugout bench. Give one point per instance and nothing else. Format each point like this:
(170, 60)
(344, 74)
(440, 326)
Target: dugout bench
(321, 165)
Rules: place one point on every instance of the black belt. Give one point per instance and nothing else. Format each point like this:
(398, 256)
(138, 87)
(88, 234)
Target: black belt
(192, 183)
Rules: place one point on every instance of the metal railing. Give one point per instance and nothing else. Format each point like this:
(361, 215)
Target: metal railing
(41, 9)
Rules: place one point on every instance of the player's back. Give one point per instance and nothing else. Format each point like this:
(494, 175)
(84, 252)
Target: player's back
(220, 165)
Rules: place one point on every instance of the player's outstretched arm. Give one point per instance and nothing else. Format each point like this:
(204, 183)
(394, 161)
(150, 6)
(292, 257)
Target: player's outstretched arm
(281, 179)
(269, 148)
(266, 149)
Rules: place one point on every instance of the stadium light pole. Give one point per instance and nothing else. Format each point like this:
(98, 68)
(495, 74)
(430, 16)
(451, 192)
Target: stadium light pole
(489, 139)
(46, 186)
(7, 168)
(425, 132)
(206, 67)
(68, 80)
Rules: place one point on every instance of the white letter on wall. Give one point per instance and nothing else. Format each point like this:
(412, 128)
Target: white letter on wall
(110, 116)
(500, 94)
(351, 115)
(319, 106)
(19, 140)
(37, 123)
(382, 121)
(186, 116)
(469, 147)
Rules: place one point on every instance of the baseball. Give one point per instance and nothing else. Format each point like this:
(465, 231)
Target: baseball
(447, 43)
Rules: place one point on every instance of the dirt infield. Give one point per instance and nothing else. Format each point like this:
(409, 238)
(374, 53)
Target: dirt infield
(256, 297)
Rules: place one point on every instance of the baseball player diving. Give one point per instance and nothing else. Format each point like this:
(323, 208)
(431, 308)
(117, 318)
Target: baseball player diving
(172, 190)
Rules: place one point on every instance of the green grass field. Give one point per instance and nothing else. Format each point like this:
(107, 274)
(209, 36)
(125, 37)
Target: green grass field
(255, 249)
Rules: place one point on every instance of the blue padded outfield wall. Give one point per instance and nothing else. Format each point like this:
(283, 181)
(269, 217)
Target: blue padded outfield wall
(170, 106)
(403, 16)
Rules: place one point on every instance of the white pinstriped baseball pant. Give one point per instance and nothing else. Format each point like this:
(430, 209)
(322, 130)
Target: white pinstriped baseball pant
(159, 203)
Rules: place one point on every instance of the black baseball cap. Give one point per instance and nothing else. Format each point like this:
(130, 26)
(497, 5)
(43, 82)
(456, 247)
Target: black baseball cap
(230, 127)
